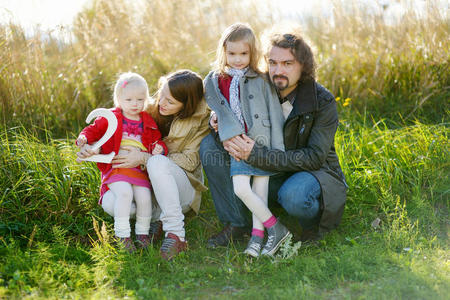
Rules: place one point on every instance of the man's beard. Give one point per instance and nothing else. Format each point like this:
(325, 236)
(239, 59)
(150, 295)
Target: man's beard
(280, 85)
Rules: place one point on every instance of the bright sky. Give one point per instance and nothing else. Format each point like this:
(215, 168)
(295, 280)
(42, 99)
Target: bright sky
(47, 13)
(51, 13)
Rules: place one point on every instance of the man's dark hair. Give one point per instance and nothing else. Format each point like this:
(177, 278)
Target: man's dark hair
(299, 48)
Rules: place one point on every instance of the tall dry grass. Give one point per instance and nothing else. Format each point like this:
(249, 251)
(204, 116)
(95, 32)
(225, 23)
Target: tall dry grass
(384, 69)
(386, 66)
(46, 83)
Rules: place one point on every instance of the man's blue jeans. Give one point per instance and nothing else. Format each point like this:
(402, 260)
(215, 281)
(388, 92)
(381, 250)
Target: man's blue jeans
(298, 193)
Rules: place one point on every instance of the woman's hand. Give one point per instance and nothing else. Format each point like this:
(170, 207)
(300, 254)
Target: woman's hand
(86, 151)
(132, 159)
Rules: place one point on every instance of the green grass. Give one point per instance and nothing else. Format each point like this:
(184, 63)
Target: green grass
(53, 244)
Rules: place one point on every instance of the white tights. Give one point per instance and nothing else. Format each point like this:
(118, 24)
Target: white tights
(173, 192)
(254, 197)
(118, 203)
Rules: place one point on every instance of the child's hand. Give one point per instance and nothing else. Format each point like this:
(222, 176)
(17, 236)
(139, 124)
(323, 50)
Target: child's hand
(158, 149)
(81, 141)
(213, 122)
(86, 151)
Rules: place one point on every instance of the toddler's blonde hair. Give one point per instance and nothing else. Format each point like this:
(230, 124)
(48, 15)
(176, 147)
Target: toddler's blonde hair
(130, 80)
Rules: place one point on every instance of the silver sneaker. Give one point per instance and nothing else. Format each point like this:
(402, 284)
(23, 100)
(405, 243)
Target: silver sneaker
(254, 246)
(278, 233)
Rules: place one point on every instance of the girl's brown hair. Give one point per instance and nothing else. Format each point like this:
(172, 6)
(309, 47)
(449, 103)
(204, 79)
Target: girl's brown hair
(234, 33)
(186, 87)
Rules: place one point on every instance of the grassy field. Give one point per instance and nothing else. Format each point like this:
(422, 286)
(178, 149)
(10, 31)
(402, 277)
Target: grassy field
(392, 83)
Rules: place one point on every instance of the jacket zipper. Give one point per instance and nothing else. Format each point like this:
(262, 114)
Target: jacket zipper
(302, 129)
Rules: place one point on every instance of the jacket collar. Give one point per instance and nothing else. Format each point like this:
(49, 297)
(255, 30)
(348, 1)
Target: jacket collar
(306, 98)
(250, 74)
(118, 113)
(117, 110)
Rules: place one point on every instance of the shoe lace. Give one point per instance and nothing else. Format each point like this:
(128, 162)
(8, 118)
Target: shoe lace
(270, 241)
(167, 244)
(254, 246)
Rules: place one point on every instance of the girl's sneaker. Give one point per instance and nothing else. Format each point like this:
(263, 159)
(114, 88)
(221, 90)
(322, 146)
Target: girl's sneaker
(277, 234)
(254, 246)
(126, 243)
(143, 240)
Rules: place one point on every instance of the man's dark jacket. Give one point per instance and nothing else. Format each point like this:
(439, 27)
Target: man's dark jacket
(309, 141)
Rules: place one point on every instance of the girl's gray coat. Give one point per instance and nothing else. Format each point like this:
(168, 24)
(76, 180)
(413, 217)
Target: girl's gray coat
(260, 107)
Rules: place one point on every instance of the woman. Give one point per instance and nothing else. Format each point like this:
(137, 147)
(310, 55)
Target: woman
(177, 180)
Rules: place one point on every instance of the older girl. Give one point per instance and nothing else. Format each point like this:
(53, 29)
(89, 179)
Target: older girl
(177, 180)
(244, 102)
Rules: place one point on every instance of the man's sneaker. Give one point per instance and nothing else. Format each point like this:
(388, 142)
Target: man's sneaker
(143, 241)
(277, 234)
(254, 246)
(171, 246)
(155, 232)
(126, 243)
(227, 234)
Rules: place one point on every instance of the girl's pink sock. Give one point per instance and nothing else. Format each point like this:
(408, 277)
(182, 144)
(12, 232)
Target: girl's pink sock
(270, 222)
(258, 232)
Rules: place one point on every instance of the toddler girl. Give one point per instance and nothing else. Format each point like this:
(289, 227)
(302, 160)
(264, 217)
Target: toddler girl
(135, 128)
(245, 102)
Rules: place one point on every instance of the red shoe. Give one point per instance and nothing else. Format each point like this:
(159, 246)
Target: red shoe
(126, 243)
(155, 232)
(171, 246)
(143, 240)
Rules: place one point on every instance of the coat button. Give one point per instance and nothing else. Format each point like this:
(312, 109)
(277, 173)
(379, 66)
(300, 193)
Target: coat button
(222, 102)
(256, 116)
(250, 96)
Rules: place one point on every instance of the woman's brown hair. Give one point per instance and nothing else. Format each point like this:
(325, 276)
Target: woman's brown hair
(186, 87)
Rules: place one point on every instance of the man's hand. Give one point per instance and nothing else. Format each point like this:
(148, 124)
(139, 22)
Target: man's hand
(239, 146)
(213, 121)
(229, 146)
(132, 159)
